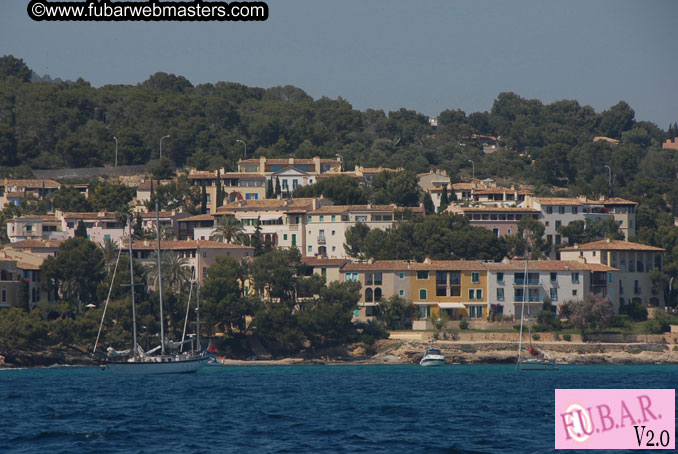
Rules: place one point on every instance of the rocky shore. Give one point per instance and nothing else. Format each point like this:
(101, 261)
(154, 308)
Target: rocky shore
(389, 351)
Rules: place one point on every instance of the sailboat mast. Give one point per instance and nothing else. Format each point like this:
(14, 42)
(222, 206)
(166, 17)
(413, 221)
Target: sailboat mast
(162, 319)
(135, 349)
(197, 305)
(529, 325)
(522, 314)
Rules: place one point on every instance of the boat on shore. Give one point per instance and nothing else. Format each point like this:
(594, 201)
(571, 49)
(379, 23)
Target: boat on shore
(432, 357)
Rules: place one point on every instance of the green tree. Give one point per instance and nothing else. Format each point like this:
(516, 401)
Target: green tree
(70, 200)
(224, 303)
(14, 67)
(396, 313)
(228, 230)
(81, 230)
(76, 270)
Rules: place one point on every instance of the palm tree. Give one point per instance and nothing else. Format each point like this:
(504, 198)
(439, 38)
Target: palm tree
(110, 251)
(228, 230)
(175, 270)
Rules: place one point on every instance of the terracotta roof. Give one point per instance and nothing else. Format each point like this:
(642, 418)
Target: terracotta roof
(462, 186)
(278, 161)
(377, 170)
(151, 245)
(548, 265)
(266, 204)
(27, 266)
(161, 214)
(566, 201)
(34, 244)
(618, 201)
(317, 261)
(243, 175)
(492, 208)
(402, 265)
(501, 191)
(90, 215)
(337, 209)
(32, 183)
(199, 217)
(612, 245)
(202, 174)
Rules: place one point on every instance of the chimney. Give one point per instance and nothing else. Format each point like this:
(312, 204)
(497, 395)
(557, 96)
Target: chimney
(427, 260)
(608, 240)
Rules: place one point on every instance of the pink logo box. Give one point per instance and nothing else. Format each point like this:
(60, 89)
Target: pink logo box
(615, 418)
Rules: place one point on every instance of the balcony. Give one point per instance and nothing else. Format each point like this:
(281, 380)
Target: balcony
(532, 299)
(528, 282)
(322, 240)
(637, 290)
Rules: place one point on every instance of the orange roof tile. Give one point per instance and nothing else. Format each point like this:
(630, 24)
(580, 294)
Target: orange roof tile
(612, 245)
(548, 265)
(187, 244)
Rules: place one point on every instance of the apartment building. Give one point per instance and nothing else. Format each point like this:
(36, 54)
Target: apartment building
(266, 166)
(326, 226)
(457, 287)
(500, 220)
(200, 255)
(329, 268)
(10, 280)
(41, 248)
(38, 227)
(560, 211)
(510, 288)
(235, 186)
(634, 262)
(28, 269)
(11, 191)
(624, 212)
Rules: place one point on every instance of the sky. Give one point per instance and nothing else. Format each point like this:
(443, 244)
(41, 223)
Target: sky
(386, 54)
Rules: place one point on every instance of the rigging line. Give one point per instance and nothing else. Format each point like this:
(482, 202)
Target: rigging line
(188, 306)
(103, 315)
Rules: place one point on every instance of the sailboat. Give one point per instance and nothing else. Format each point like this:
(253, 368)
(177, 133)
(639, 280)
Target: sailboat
(135, 360)
(537, 360)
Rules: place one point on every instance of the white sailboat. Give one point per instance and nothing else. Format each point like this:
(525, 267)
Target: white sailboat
(140, 362)
(537, 360)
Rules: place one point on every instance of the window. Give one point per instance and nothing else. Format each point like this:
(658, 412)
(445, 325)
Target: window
(310, 219)
(500, 278)
(401, 292)
(323, 271)
(377, 294)
(377, 279)
(204, 255)
(285, 236)
(574, 292)
(368, 295)
(294, 239)
(554, 277)
(554, 294)
(475, 311)
(561, 210)
(475, 277)
(334, 218)
(558, 239)
(334, 248)
(361, 218)
(422, 294)
(549, 239)
(322, 218)
(310, 249)
(558, 224)
(575, 278)
(575, 210)
(479, 294)
(500, 294)
(402, 275)
(333, 231)
(422, 275)
(471, 294)
(549, 210)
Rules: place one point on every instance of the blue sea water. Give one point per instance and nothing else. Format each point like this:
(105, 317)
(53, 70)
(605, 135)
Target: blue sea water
(297, 409)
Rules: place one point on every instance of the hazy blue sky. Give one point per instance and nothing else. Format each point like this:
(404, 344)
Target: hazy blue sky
(386, 54)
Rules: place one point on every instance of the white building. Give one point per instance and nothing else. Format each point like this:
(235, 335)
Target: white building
(634, 262)
(326, 226)
(559, 281)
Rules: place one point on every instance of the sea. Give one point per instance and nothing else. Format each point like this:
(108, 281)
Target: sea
(298, 409)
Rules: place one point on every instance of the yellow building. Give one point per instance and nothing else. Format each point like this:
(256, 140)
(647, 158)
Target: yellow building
(458, 287)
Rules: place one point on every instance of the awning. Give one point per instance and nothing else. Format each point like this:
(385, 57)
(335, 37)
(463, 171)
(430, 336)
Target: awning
(424, 303)
(270, 218)
(451, 306)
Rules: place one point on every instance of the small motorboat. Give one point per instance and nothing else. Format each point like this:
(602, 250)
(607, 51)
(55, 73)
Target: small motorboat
(432, 357)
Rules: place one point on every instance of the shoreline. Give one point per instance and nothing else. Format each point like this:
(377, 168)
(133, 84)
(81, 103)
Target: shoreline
(402, 352)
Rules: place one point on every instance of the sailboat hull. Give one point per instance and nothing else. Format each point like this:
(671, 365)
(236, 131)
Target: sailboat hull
(537, 365)
(184, 366)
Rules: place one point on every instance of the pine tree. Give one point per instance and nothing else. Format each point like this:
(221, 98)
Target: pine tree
(277, 186)
(269, 189)
(256, 240)
(444, 200)
(220, 195)
(428, 204)
(139, 227)
(203, 209)
(81, 230)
